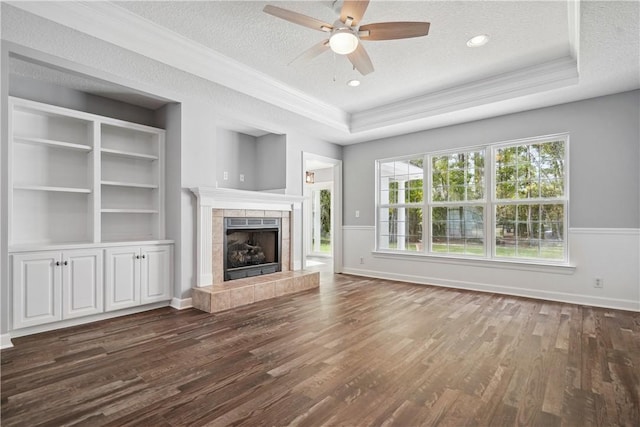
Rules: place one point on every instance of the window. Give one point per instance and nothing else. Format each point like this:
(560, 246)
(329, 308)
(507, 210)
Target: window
(529, 201)
(457, 203)
(503, 201)
(401, 184)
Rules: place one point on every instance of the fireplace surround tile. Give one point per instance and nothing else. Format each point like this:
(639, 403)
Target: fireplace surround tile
(234, 213)
(254, 214)
(218, 224)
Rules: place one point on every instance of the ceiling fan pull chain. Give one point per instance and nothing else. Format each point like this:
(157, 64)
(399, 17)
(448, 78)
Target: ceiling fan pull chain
(334, 68)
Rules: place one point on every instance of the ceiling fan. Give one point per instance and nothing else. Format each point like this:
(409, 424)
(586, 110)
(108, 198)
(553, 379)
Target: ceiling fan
(346, 32)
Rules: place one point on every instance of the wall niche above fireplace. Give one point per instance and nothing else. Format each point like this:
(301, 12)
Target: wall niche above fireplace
(254, 161)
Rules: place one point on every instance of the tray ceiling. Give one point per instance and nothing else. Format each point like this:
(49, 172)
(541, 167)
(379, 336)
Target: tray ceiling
(540, 53)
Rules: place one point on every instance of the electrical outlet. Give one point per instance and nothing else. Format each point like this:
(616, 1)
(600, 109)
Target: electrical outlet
(225, 175)
(357, 214)
(241, 177)
(598, 283)
(361, 260)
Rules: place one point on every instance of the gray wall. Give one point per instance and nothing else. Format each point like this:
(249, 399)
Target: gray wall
(603, 157)
(271, 162)
(169, 118)
(235, 155)
(47, 93)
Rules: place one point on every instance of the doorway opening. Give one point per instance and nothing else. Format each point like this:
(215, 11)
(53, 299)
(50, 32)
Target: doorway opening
(320, 242)
(322, 213)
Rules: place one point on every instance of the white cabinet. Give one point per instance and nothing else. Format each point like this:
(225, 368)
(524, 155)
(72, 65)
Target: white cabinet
(137, 275)
(83, 190)
(155, 273)
(82, 283)
(51, 286)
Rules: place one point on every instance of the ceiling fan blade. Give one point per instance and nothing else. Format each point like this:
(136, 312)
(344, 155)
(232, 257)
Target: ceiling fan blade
(312, 52)
(353, 9)
(297, 18)
(394, 30)
(360, 59)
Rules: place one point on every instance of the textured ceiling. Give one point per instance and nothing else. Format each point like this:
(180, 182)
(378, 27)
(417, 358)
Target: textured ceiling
(522, 34)
(541, 53)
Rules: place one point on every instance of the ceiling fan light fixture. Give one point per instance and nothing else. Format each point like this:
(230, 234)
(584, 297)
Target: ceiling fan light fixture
(343, 41)
(353, 83)
(477, 41)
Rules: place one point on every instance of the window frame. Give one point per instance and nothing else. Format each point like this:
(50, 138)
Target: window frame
(489, 202)
(456, 203)
(564, 200)
(405, 205)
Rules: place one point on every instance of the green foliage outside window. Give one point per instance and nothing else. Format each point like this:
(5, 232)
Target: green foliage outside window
(529, 201)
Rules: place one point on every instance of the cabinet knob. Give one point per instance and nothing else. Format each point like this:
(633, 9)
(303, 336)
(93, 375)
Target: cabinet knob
(144, 256)
(137, 256)
(66, 263)
(58, 263)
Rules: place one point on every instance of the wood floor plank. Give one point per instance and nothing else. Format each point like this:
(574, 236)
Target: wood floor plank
(355, 352)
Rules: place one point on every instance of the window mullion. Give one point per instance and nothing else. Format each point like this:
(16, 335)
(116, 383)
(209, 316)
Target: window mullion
(426, 203)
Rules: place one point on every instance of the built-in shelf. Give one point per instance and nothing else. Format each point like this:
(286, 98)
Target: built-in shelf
(52, 143)
(55, 189)
(135, 211)
(128, 154)
(76, 177)
(128, 184)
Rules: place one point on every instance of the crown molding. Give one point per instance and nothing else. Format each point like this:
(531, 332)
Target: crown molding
(551, 75)
(119, 26)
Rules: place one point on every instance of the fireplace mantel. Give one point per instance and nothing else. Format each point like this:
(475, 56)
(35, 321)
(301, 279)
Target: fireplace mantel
(210, 198)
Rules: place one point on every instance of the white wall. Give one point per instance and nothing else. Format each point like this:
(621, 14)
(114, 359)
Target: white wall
(604, 210)
(323, 175)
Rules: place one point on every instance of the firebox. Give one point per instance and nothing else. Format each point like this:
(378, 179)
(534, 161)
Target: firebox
(251, 247)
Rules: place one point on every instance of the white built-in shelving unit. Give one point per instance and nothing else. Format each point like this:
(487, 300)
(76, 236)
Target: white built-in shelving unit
(82, 178)
(80, 186)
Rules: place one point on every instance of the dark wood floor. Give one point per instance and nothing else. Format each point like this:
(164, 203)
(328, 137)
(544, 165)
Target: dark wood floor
(356, 352)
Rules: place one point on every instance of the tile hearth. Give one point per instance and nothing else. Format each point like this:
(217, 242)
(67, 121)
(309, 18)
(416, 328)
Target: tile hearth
(236, 293)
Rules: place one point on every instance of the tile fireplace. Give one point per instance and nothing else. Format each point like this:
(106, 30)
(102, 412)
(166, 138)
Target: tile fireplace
(216, 205)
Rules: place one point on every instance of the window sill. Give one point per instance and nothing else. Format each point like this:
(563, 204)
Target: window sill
(555, 268)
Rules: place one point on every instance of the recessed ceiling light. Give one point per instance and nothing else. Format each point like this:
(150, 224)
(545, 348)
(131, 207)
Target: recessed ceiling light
(353, 82)
(478, 41)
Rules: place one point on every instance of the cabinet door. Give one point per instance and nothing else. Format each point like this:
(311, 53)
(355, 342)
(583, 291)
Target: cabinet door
(122, 278)
(37, 289)
(156, 273)
(82, 283)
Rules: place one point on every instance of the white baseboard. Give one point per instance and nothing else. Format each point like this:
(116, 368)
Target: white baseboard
(618, 304)
(181, 304)
(86, 319)
(5, 341)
